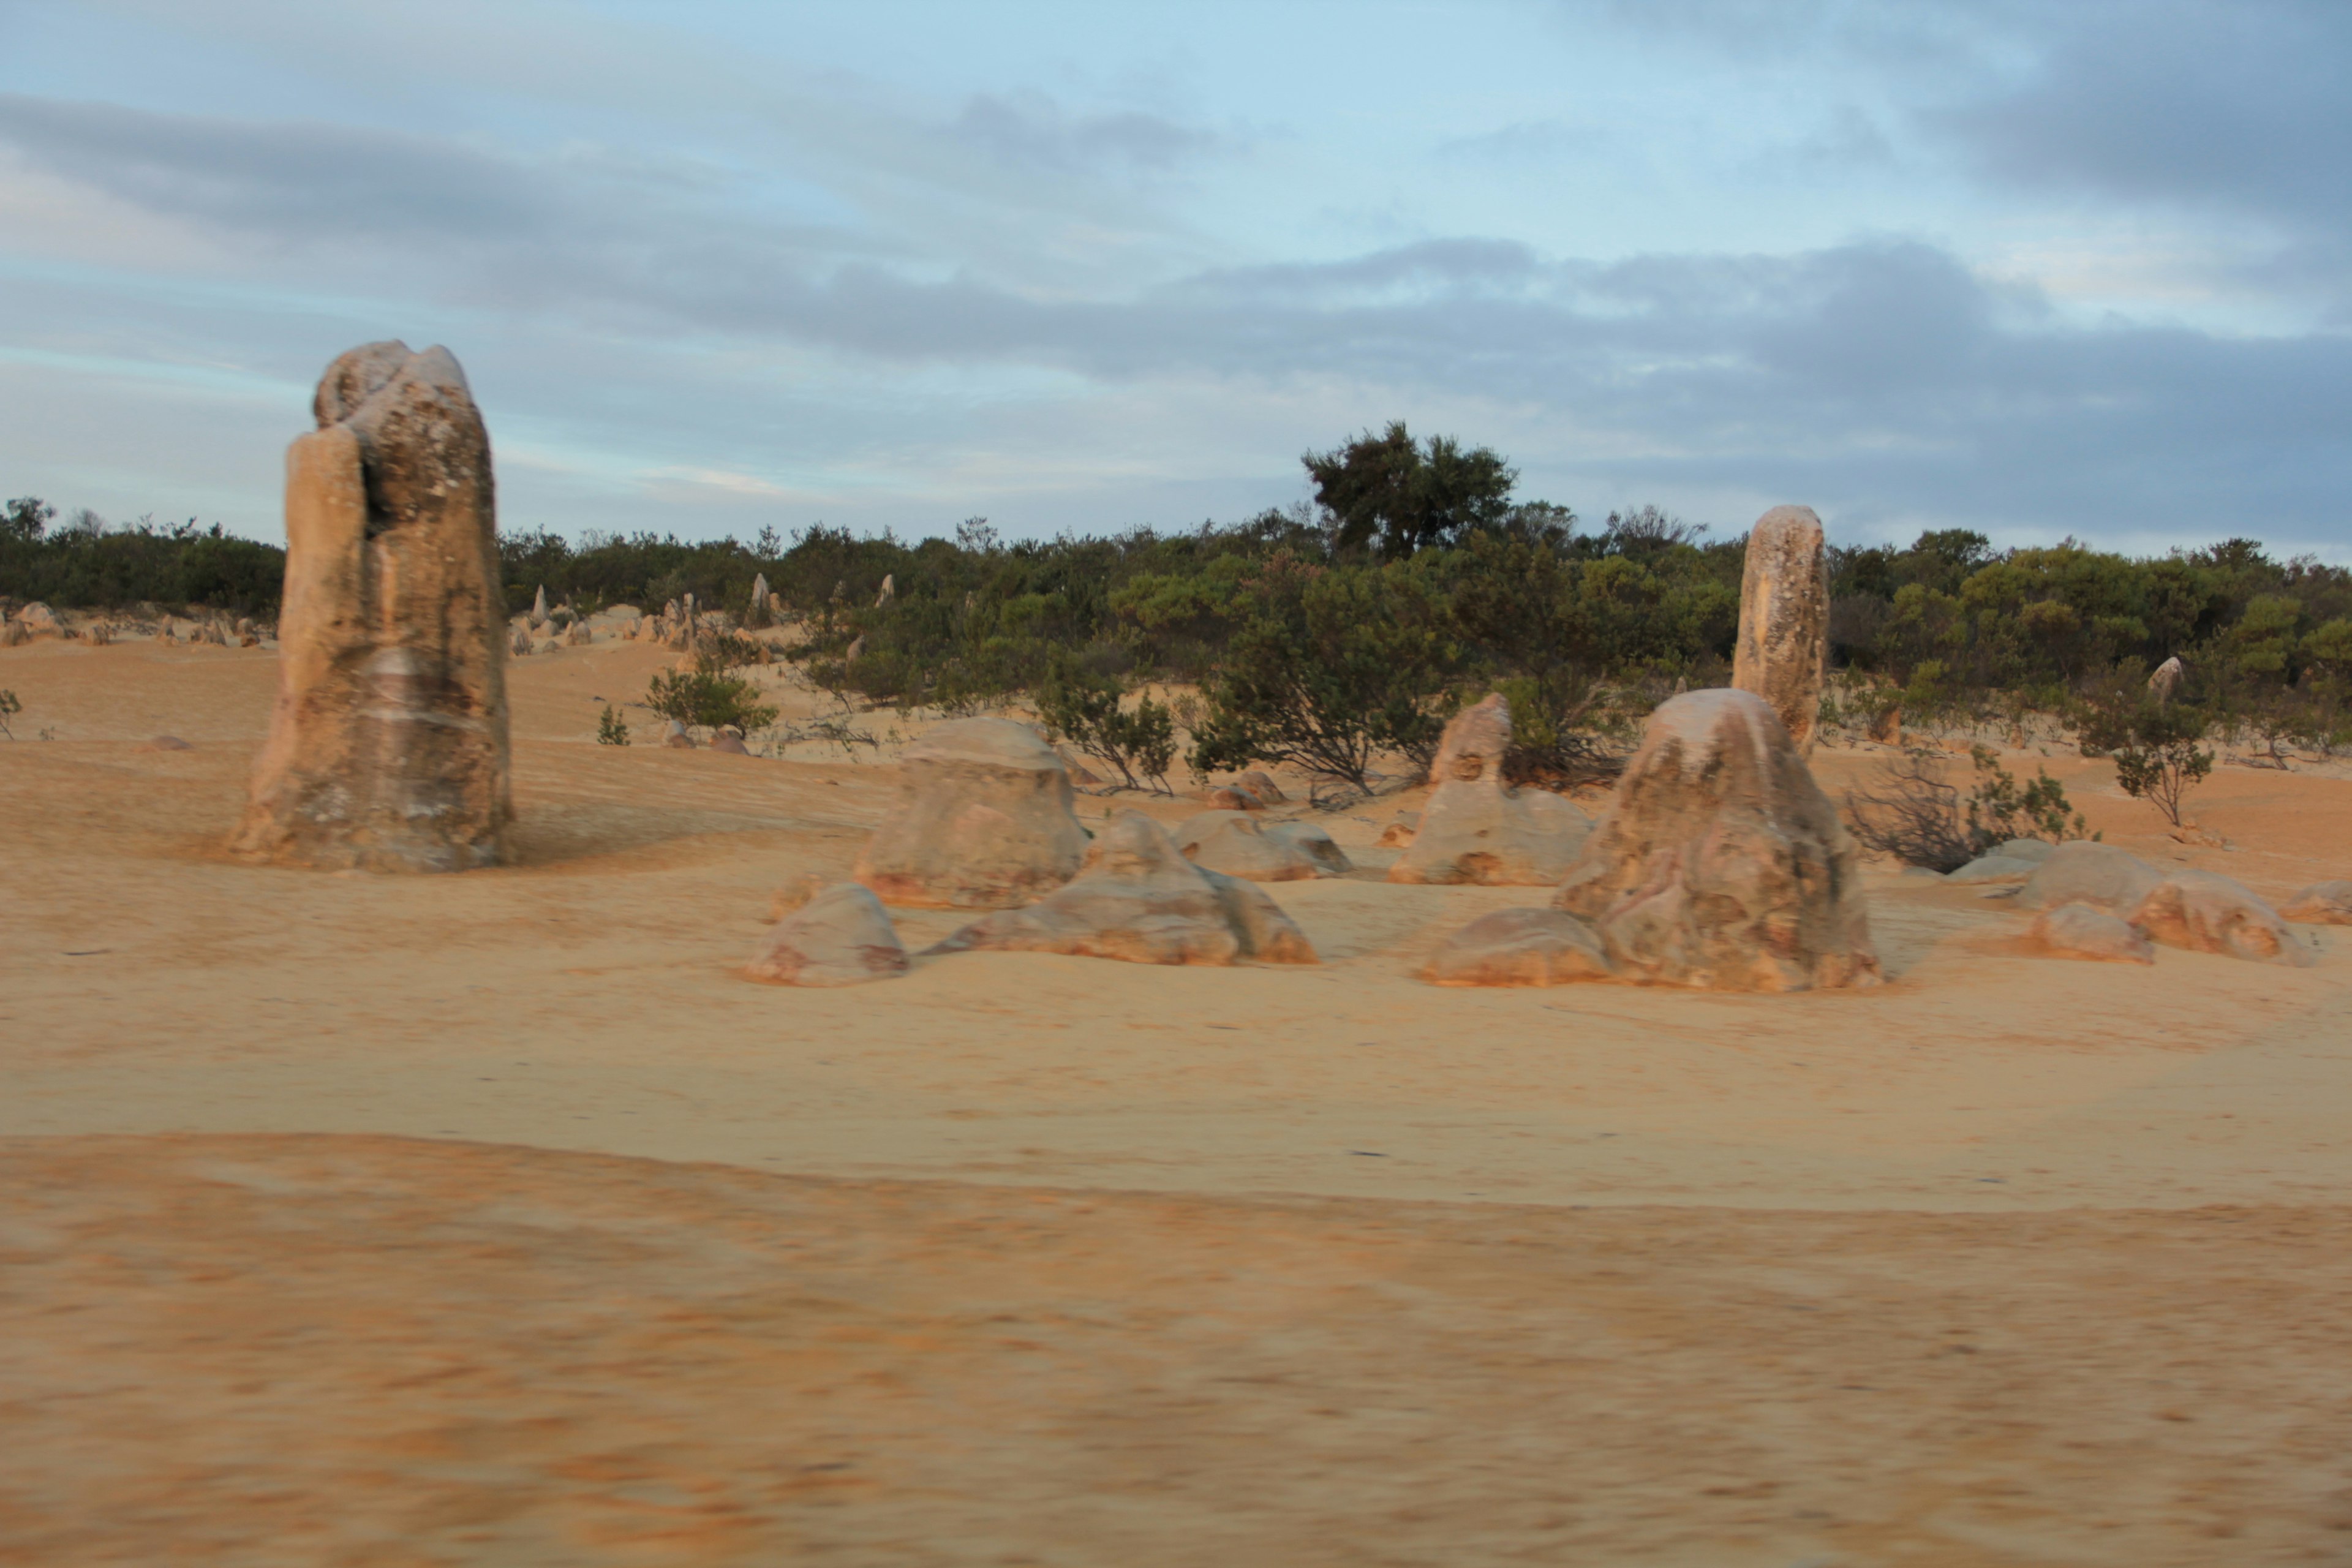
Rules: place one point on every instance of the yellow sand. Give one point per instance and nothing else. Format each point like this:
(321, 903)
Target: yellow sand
(1354, 1315)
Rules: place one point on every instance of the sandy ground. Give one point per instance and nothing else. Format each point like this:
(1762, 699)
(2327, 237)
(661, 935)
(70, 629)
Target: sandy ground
(491, 1219)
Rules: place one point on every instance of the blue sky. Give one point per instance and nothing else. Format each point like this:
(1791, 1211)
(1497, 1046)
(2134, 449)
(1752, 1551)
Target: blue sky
(2027, 269)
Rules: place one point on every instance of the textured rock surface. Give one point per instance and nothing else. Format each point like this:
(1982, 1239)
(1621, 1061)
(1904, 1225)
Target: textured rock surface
(2322, 903)
(2078, 931)
(1520, 947)
(1995, 868)
(2205, 913)
(1475, 828)
(1260, 782)
(2099, 875)
(388, 746)
(986, 822)
(2167, 679)
(1721, 863)
(1242, 844)
(1140, 899)
(1784, 619)
(841, 936)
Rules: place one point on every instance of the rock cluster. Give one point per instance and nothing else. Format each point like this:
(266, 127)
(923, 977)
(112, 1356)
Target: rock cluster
(1139, 899)
(1473, 827)
(1721, 864)
(388, 744)
(986, 821)
(1784, 619)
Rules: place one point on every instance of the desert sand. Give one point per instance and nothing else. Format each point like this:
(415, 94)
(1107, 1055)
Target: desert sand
(494, 1218)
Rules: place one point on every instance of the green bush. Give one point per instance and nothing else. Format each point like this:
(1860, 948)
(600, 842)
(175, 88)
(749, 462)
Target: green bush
(1085, 709)
(710, 697)
(612, 730)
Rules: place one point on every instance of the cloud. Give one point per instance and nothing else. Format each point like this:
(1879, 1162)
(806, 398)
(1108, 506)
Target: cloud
(1030, 130)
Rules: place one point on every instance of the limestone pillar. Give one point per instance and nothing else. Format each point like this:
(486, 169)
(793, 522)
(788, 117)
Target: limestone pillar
(1782, 654)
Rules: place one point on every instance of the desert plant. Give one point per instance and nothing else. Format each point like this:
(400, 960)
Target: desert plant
(1085, 711)
(708, 697)
(612, 730)
(1921, 818)
(9, 708)
(2160, 760)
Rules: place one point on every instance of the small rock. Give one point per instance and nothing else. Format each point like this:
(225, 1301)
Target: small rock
(676, 737)
(1237, 844)
(1260, 782)
(2321, 904)
(1232, 797)
(1519, 947)
(2205, 913)
(2078, 931)
(842, 936)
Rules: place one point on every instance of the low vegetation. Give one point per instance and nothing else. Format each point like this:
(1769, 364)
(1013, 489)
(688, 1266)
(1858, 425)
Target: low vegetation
(1916, 814)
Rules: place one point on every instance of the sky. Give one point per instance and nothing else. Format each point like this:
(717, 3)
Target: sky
(2037, 270)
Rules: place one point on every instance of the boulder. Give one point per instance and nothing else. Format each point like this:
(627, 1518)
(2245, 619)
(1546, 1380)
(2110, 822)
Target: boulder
(2167, 679)
(1519, 947)
(2321, 904)
(39, 620)
(15, 633)
(2078, 931)
(1475, 828)
(1720, 863)
(1995, 868)
(842, 936)
(676, 738)
(2207, 912)
(1233, 797)
(1784, 619)
(1240, 844)
(1139, 899)
(2034, 850)
(2082, 872)
(388, 746)
(733, 744)
(986, 821)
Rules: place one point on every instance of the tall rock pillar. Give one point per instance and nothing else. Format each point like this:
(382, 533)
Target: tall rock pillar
(1784, 619)
(388, 746)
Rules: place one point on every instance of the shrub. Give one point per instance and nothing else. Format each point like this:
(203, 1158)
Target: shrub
(2159, 760)
(1085, 711)
(1919, 817)
(9, 708)
(706, 696)
(612, 730)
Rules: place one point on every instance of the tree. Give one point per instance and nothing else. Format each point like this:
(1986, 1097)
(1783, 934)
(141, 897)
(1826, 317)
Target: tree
(25, 518)
(1331, 666)
(1085, 711)
(1389, 487)
(2159, 761)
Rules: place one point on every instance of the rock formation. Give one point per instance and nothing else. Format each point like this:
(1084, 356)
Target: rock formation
(1520, 947)
(2082, 872)
(2078, 931)
(2321, 904)
(1721, 863)
(1240, 844)
(538, 607)
(1260, 782)
(1233, 797)
(2013, 861)
(2205, 913)
(986, 821)
(1784, 619)
(889, 590)
(841, 936)
(1139, 899)
(388, 746)
(2167, 679)
(1475, 828)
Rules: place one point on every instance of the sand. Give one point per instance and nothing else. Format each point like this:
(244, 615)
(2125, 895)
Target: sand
(492, 1219)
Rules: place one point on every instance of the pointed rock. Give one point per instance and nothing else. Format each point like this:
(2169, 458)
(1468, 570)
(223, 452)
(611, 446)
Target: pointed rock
(1140, 901)
(1475, 828)
(538, 607)
(1782, 654)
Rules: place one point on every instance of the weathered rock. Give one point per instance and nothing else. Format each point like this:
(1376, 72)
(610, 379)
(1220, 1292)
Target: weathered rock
(15, 633)
(733, 744)
(842, 936)
(889, 590)
(388, 746)
(1721, 864)
(538, 607)
(1519, 947)
(1475, 828)
(2167, 678)
(1399, 832)
(676, 738)
(1782, 653)
(857, 649)
(760, 589)
(2034, 850)
(2078, 931)
(41, 620)
(986, 821)
(2205, 913)
(577, 634)
(1260, 782)
(2082, 872)
(163, 633)
(1233, 797)
(99, 634)
(1140, 901)
(2321, 904)
(520, 643)
(2013, 861)
(1241, 844)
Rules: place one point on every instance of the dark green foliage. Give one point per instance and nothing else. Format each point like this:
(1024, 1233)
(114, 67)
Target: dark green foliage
(709, 697)
(26, 518)
(1085, 709)
(1915, 813)
(88, 565)
(612, 730)
(9, 708)
(1403, 495)
(2158, 751)
(1328, 668)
